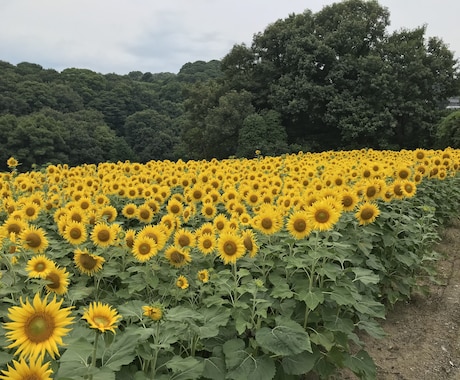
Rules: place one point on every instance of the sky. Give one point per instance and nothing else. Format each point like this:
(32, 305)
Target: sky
(120, 36)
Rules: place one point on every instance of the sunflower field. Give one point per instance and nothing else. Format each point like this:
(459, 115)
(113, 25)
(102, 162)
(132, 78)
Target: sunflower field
(263, 268)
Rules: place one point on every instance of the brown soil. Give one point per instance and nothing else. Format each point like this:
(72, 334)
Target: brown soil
(423, 336)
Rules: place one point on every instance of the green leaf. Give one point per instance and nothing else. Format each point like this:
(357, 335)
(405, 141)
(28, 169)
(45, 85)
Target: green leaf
(187, 368)
(132, 309)
(78, 350)
(234, 352)
(371, 308)
(361, 364)
(301, 363)
(342, 296)
(324, 338)
(183, 314)
(214, 368)
(213, 318)
(312, 299)
(366, 276)
(122, 351)
(284, 339)
(254, 368)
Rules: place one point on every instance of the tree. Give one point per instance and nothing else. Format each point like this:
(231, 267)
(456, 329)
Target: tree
(448, 131)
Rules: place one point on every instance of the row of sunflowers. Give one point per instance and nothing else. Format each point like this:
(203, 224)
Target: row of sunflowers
(227, 269)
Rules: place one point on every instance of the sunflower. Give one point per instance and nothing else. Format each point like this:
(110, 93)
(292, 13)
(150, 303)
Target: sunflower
(177, 256)
(157, 233)
(12, 162)
(130, 235)
(108, 213)
(39, 266)
(103, 235)
(34, 238)
(102, 317)
(230, 247)
(37, 328)
(174, 207)
(408, 188)
(250, 242)
(322, 215)
(349, 200)
(209, 211)
(77, 214)
(144, 248)
(144, 213)
(203, 276)
(298, 224)
(58, 280)
(75, 232)
(30, 210)
(268, 220)
(184, 238)
(220, 222)
(86, 262)
(206, 243)
(12, 225)
(182, 282)
(154, 312)
(23, 371)
(367, 213)
(129, 210)
(245, 219)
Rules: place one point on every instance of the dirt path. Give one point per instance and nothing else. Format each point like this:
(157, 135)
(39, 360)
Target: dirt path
(423, 341)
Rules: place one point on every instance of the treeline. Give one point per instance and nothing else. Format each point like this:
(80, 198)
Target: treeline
(335, 79)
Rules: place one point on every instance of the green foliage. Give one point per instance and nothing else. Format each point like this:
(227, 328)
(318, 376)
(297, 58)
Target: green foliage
(448, 131)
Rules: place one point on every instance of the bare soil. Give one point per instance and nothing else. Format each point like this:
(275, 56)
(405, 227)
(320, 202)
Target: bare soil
(423, 336)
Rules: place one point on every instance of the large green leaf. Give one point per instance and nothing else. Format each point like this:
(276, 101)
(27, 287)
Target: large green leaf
(301, 363)
(287, 338)
(187, 368)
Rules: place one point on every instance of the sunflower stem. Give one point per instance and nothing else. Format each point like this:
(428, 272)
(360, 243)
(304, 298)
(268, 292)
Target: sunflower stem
(93, 359)
(235, 288)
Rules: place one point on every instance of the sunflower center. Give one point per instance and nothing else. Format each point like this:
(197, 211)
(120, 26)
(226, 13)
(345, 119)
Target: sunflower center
(175, 209)
(220, 225)
(39, 327)
(197, 194)
(87, 261)
(408, 188)
(248, 243)
(30, 211)
(101, 321)
(207, 243)
(103, 235)
(144, 214)
(300, 225)
(367, 213)
(208, 210)
(54, 279)
(266, 223)
(371, 191)
(40, 267)
(347, 201)
(33, 240)
(403, 174)
(322, 216)
(184, 240)
(75, 233)
(397, 190)
(230, 248)
(144, 248)
(177, 257)
(14, 228)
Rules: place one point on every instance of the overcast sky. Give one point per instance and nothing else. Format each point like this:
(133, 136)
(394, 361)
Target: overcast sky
(119, 36)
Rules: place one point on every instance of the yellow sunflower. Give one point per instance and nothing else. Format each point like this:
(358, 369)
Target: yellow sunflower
(39, 266)
(144, 213)
(30, 210)
(102, 317)
(209, 211)
(367, 213)
(268, 220)
(108, 213)
(144, 248)
(298, 224)
(74, 232)
(206, 243)
(23, 371)
(230, 247)
(103, 235)
(130, 235)
(129, 210)
(174, 207)
(203, 276)
(349, 199)
(220, 222)
(158, 233)
(34, 238)
(12, 162)
(12, 225)
(57, 280)
(37, 328)
(184, 238)
(177, 256)
(154, 312)
(87, 263)
(182, 282)
(250, 242)
(322, 215)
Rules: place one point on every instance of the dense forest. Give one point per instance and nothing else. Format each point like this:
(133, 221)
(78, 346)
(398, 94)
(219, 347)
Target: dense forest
(335, 79)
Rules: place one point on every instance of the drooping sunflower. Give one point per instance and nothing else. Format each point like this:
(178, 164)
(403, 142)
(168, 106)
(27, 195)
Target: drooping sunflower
(102, 317)
(206, 243)
(230, 247)
(154, 312)
(322, 215)
(74, 232)
(37, 328)
(182, 282)
(23, 370)
(130, 235)
(86, 262)
(367, 213)
(250, 242)
(144, 248)
(39, 266)
(103, 235)
(298, 224)
(203, 276)
(34, 238)
(177, 256)
(57, 280)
